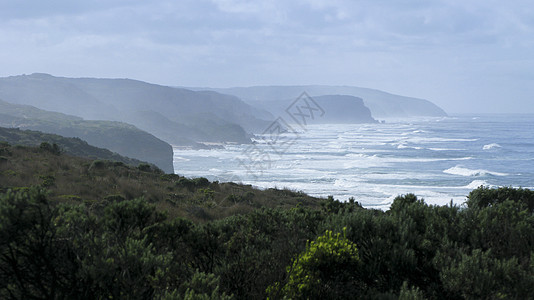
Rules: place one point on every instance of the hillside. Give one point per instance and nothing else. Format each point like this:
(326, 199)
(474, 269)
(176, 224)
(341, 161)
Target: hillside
(118, 137)
(178, 116)
(104, 230)
(381, 104)
(99, 182)
(69, 146)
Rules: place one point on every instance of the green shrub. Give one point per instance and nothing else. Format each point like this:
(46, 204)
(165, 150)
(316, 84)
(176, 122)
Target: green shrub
(186, 183)
(486, 197)
(144, 167)
(54, 148)
(114, 198)
(48, 180)
(4, 149)
(169, 177)
(201, 182)
(327, 269)
(98, 164)
(71, 197)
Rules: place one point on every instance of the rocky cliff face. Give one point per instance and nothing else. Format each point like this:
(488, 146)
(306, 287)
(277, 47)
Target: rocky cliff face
(327, 109)
(344, 109)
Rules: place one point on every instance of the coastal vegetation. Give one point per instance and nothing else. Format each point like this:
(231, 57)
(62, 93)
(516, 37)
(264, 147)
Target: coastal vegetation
(72, 227)
(119, 137)
(70, 146)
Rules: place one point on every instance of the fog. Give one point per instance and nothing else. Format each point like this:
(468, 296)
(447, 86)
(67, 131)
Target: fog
(474, 56)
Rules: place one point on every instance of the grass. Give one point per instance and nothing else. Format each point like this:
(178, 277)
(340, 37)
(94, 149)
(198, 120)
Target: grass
(98, 182)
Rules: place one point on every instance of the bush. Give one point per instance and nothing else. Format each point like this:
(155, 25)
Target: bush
(479, 276)
(54, 148)
(48, 180)
(201, 182)
(327, 269)
(186, 183)
(114, 198)
(486, 197)
(98, 164)
(144, 167)
(34, 262)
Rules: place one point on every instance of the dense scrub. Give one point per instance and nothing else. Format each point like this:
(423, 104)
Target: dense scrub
(132, 248)
(70, 146)
(96, 183)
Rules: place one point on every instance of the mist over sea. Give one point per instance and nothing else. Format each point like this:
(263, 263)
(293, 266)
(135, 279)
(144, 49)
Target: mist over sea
(438, 159)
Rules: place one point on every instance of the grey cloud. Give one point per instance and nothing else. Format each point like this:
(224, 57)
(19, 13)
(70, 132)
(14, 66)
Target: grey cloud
(419, 48)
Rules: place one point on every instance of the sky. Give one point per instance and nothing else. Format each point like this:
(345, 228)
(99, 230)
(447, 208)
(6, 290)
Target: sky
(467, 56)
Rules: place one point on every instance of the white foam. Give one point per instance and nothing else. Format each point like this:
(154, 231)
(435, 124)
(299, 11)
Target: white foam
(179, 158)
(403, 146)
(476, 184)
(370, 162)
(491, 146)
(445, 149)
(438, 140)
(344, 183)
(461, 171)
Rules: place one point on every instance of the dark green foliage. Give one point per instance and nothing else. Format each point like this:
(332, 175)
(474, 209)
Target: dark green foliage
(59, 245)
(330, 205)
(5, 151)
(144, 167)
(425, 245)
(98, 164)
(327, 269)
(132, 145)
(505, 228)
(202, 286)
(185, 182)
(169, 177)
(233, 199)
(486, 196)
(93, 182)
(201, 182)
(34, 257)
(114, 198)
(125, 217)
(48, 180)
(410, 293)
(54, 148)
(480, 276)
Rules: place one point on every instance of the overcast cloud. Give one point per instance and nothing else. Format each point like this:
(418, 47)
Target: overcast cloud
(465, 56)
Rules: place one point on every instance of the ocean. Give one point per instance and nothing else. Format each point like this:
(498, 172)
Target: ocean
(438, 159)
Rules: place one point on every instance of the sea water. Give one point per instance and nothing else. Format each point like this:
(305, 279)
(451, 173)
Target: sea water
(438, 159)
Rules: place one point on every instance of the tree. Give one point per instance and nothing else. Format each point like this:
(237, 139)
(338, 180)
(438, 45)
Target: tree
(35, 261)
(479, 276)
(327, 269)
(486, 197)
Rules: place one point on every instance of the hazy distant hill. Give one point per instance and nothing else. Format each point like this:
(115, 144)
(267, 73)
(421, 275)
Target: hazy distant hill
(122, 138)
(338, 109)
(71, 146)
(381, 104)
(178, 116)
